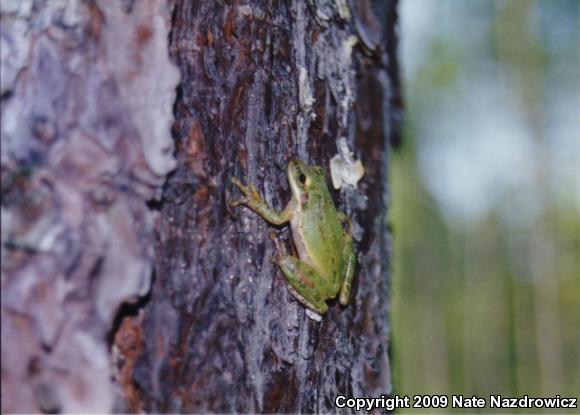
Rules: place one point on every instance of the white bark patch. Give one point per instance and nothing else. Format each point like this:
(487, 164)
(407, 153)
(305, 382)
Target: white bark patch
(304, 90)
(344, 169)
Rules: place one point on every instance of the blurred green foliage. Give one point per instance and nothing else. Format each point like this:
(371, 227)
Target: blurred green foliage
(489, 303)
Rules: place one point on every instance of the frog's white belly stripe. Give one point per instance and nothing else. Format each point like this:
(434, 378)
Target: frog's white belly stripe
(299, 243)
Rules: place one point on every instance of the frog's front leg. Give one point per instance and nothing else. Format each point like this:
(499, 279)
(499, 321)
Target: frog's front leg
(254, 201)
(306, 284)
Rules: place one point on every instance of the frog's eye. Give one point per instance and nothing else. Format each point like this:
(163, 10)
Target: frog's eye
(302, 179)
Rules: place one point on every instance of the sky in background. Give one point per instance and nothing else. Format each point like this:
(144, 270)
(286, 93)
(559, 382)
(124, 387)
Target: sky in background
(486, 129)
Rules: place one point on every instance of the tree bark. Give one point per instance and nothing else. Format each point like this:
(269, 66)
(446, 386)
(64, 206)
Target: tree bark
(87, 90)
(262, 84)
(218, 331)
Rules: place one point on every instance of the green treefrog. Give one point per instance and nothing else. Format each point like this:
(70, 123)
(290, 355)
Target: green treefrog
(326, 260)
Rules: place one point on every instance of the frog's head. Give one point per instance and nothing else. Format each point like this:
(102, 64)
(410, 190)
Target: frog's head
(304, 179)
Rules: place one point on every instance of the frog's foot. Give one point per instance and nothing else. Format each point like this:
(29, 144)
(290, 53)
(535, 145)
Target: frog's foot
(249, 191)
(254, 201)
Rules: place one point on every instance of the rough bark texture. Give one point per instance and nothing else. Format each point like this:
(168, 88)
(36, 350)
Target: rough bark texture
(87, 93)
(263, 83)
(86, 96)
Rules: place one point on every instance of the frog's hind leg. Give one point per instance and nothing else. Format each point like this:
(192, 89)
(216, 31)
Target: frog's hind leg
(310, 311)
(348, 271)
(305, 283)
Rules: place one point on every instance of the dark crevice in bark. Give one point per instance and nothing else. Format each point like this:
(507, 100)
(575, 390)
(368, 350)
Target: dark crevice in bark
(127, 310)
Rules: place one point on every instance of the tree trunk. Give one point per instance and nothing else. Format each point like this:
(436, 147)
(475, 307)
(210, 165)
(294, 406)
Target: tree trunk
(85, 153)
(87, 93)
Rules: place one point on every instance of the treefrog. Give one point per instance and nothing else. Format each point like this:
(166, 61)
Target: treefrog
(326, 260)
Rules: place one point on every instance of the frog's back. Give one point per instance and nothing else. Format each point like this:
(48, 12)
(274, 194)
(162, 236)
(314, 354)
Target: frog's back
(322, 232)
